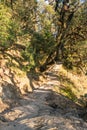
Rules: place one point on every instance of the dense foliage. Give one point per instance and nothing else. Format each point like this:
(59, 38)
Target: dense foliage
(7, 27)
(46, 32)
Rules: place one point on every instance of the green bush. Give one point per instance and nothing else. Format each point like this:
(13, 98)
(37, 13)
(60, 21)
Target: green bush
(7, 27)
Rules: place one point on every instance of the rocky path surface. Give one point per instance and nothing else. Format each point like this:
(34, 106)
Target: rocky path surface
(44, 110)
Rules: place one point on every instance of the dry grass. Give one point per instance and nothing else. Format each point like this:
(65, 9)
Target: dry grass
(74, 86)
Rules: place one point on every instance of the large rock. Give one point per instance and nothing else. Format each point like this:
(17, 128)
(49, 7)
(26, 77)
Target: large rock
(8, 91)
(24, 84)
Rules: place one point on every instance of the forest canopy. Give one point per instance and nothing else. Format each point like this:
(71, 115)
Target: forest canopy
(46, 32)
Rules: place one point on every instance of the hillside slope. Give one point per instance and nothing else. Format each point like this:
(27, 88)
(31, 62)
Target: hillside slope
(47, 107)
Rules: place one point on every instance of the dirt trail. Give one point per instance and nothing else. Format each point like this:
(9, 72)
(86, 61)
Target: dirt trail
(44, 110)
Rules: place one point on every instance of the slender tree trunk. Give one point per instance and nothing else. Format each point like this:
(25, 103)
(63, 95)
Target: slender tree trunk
(11, 4)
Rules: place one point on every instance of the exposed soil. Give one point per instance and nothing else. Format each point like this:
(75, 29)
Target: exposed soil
(44, 109)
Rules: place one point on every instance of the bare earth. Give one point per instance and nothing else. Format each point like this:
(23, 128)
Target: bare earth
(44, 110)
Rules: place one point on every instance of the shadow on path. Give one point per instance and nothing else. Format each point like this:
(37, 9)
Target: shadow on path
(43, 110)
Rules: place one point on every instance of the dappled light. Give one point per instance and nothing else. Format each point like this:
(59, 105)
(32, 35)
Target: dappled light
(33, 113)
(43, 65)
